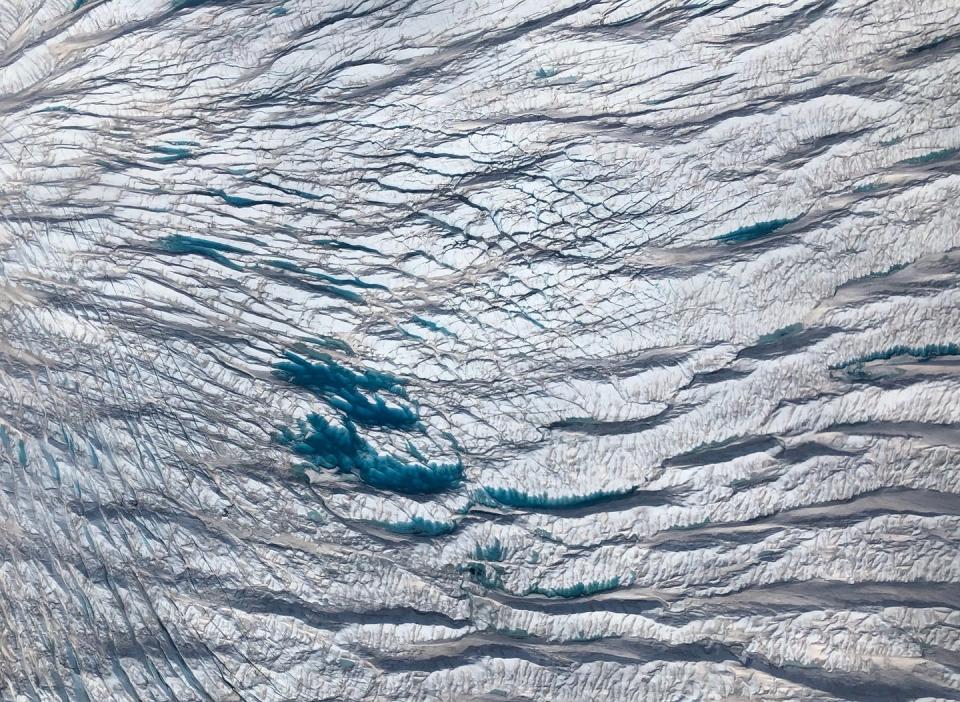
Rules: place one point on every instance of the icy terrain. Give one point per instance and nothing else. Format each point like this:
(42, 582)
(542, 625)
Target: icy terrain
(447, 351)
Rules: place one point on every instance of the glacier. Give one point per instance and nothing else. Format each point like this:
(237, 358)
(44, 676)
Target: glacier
(440, 350)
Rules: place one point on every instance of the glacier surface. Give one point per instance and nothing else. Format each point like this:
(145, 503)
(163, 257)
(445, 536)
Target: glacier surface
(444, 350)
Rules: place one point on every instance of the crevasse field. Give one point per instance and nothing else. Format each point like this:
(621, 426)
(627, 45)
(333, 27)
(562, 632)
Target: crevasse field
(446, 351)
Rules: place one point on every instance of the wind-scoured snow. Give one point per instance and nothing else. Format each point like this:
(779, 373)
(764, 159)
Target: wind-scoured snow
(479, 351)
